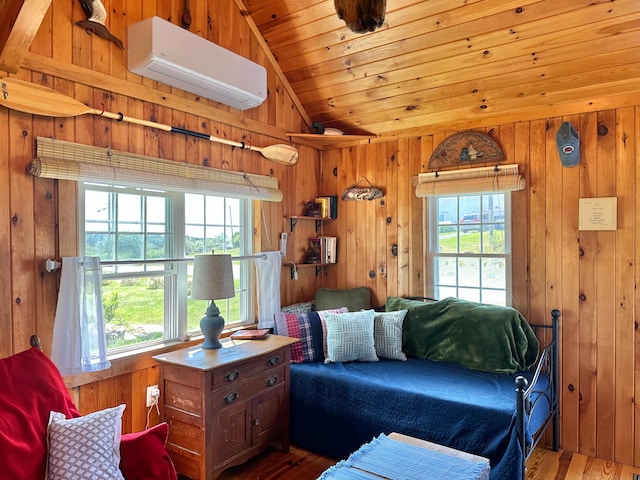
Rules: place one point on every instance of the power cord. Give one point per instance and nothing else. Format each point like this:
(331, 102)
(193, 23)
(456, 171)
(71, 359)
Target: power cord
(294, 270)
(156, 398)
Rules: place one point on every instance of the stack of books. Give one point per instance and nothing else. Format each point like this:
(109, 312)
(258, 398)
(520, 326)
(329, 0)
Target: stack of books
(328, 205)
(327, 247)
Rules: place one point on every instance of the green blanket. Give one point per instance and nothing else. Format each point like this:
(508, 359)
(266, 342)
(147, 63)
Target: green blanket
(475, 335)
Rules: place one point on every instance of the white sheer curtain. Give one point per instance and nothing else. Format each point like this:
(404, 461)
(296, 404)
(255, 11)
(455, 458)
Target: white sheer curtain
(268, 273)
(79, 343)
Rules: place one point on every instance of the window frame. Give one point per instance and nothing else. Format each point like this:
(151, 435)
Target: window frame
(431, 241)
(175, 303)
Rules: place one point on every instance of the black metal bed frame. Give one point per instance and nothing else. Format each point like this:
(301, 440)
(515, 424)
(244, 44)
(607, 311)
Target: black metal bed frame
(547, 365)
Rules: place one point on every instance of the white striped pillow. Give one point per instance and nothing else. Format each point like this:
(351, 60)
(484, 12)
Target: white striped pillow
(387, 334)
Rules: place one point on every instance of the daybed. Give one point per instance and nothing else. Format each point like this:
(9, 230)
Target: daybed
(65, 444)
(473, 381)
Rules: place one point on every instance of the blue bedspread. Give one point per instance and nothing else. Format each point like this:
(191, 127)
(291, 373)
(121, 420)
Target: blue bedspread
(336, 408)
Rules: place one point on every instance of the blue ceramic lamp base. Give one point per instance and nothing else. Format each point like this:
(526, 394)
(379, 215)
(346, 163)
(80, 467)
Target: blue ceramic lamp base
(211, 325)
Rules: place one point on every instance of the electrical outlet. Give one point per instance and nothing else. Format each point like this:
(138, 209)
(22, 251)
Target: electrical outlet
(153, 395)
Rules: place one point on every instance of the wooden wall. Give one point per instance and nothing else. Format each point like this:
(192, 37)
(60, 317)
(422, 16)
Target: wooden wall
(590, 276)
(40, 215)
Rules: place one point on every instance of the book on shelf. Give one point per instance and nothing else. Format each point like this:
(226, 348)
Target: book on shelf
(250, 334)
(327, 248)
(328, 206)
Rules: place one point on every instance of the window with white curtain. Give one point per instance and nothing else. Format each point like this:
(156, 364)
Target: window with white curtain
(469, 252)
(149, 303)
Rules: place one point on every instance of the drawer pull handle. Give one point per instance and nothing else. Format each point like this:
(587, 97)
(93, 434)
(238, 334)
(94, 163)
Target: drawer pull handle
(273, 361)
(231, 376)
(256, 422)
(232, 397)
(271, 381)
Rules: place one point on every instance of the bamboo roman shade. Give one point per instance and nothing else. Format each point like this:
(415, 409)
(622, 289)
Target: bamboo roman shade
(504, 178)
(73, 161)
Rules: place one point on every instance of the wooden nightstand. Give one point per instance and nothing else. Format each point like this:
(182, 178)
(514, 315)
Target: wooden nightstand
(225, 406)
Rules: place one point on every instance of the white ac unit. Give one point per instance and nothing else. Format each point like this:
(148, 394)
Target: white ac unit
(162, 51)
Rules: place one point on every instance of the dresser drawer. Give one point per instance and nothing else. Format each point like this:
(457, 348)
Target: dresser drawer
(182, 397)
(239, 391)
(238, 372)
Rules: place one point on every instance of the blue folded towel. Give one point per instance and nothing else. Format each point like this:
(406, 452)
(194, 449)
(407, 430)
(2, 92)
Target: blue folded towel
(341, 471)
(396, 460)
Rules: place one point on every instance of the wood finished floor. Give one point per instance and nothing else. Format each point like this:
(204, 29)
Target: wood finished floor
(544, 464)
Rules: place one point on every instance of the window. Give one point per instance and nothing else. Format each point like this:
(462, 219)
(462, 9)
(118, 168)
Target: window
(148, 303)
(469, 247)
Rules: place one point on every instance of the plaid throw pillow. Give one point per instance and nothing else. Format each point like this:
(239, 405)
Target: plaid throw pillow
(308, 327)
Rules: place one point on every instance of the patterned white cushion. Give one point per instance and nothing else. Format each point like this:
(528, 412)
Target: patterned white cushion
(350, 337)
(302, 307)
(85, 447)
(387, 334)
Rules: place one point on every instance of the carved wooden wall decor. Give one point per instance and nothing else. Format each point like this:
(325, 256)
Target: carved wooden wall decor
(361, 16)
(96, 16)
(359, 192)
(465, 148)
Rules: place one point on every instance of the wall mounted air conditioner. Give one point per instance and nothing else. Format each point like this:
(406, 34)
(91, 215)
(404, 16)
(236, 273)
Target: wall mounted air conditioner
(162, 51)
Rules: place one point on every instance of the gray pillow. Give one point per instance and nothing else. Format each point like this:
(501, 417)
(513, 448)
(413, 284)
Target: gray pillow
(350, 337)
(387, 334)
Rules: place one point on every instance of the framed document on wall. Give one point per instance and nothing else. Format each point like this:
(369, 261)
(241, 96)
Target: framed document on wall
(598, 213)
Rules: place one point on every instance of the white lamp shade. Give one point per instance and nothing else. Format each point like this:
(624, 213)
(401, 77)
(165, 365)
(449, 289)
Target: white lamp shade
(212, 277)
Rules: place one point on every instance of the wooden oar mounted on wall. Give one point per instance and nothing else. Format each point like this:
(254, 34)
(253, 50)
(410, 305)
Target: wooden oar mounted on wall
(38, 100)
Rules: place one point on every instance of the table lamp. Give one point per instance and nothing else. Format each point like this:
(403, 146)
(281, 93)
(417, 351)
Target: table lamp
(212, 280)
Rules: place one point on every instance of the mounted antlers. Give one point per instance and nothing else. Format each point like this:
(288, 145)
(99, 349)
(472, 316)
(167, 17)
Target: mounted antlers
(361, 16)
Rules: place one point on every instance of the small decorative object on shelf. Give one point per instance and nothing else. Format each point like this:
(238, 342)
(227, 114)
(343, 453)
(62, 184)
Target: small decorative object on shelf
(316, 127)
(326, 248)
(313, 254)
(312, 209)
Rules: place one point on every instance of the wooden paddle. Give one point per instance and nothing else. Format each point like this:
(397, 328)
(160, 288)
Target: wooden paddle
(38, 100)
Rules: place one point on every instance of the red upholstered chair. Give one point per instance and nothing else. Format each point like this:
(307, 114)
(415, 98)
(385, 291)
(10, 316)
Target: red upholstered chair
(30, 388)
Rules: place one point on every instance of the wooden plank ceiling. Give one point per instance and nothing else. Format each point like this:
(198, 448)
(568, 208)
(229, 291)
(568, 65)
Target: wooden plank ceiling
(435, 65)
(440, 65)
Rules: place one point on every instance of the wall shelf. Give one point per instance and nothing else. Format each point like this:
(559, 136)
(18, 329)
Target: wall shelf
(295, 266)
(330, 141)
(293, 221)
